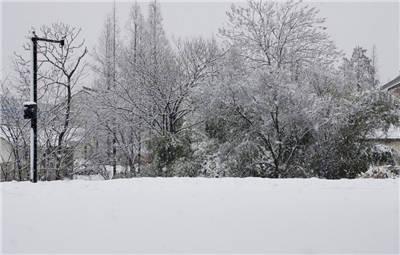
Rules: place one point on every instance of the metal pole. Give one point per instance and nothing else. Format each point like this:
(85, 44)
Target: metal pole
(33, 173)
(33, 105)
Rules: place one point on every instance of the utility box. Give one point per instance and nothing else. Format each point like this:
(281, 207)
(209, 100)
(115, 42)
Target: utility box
(30, 109)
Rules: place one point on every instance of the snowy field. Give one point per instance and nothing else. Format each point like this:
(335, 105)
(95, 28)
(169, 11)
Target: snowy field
(201, 215)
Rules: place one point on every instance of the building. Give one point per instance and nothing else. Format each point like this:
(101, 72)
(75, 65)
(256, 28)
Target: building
(393, 86)
(7, 157)
(6, 154)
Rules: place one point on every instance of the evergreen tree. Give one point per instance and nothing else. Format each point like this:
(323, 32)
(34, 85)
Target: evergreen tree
(359, 70)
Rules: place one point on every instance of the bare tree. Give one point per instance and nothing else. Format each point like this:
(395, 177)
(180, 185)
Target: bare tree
(14, 129)
(282, 34)
(60, 70)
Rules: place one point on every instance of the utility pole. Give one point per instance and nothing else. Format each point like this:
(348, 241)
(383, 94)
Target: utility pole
(33, 152)
(31, 108)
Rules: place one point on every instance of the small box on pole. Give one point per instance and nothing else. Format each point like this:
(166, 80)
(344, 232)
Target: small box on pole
(30, 110)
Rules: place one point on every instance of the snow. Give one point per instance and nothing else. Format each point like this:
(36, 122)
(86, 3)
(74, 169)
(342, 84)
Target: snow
(201, 215)
(92, 177)
(118, 168)
(392, 133)
(385, 171)
(28, 103)
(381, 148)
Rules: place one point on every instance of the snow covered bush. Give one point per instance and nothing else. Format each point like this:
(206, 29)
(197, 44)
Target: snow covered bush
(383, 155)
(172, 155)
(341, 149)
(381, 172)
(91, 168)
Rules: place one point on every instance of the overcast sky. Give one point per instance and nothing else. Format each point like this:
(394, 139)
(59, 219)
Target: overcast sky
(349, 24)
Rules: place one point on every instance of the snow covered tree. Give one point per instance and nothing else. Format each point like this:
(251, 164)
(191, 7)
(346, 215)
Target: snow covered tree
(15, 130)
(340, 148)
(269, 101)
(282, 43)
(359, 71)
(282, 35)
(105, 99)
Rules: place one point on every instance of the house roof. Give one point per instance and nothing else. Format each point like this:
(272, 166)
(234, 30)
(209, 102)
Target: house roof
(391, 84)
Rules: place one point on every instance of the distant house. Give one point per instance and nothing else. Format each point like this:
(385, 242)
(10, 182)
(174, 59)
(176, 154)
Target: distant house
(389, 138)
(7, 158)
(6, 152)
(393, 86)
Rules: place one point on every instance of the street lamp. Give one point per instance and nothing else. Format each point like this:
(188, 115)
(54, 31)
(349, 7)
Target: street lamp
(31, 108)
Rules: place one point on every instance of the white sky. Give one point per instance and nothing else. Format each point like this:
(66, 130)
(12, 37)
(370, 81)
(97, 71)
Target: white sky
(349, 24)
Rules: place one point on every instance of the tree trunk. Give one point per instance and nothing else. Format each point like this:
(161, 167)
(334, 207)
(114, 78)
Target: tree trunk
(60, 151)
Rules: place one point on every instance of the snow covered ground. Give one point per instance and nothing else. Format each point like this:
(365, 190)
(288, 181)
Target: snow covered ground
(201, 215)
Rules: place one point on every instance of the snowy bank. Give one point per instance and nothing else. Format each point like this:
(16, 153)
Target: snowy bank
(201, 215)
